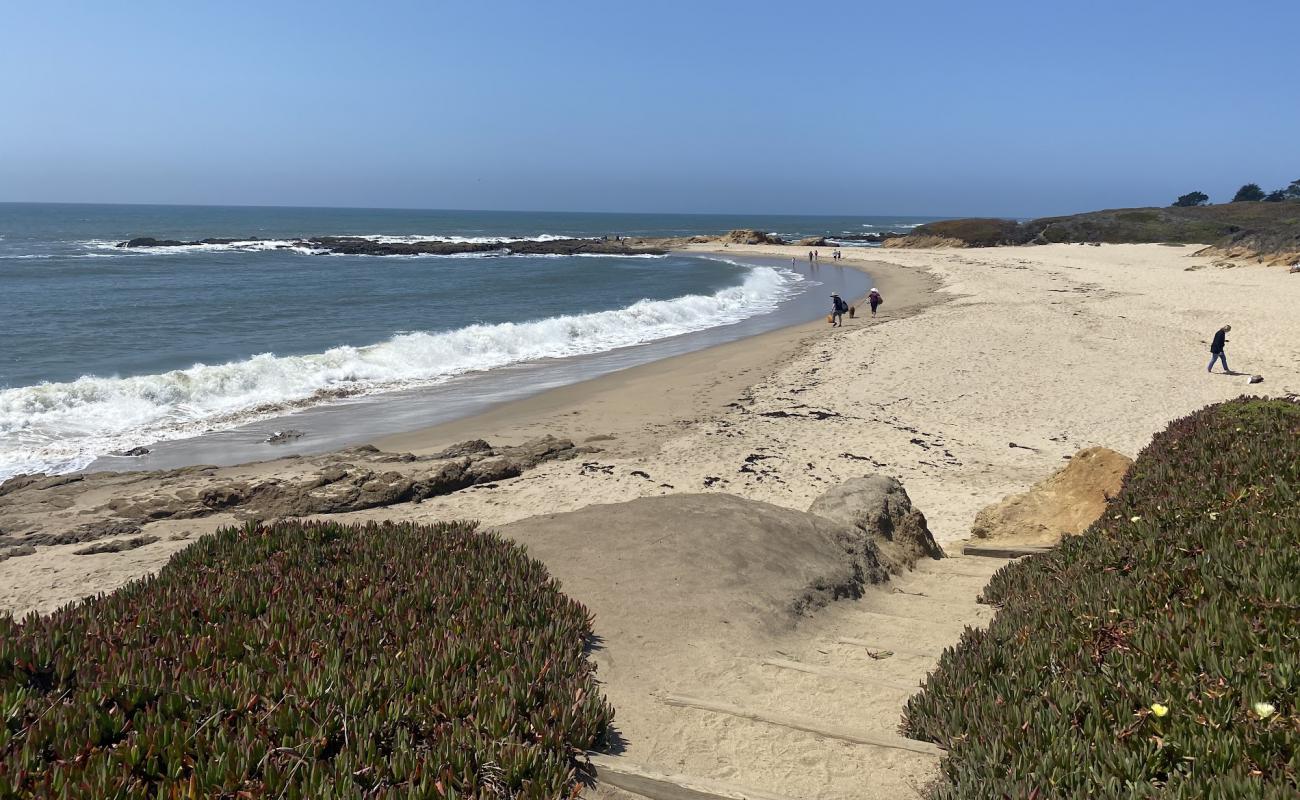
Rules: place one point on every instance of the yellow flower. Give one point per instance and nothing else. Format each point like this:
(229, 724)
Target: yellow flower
(1265, 710)
(1159, 710)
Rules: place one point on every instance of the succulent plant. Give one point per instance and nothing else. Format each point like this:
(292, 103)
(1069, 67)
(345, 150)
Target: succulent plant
(1156, 655)
(307, 660)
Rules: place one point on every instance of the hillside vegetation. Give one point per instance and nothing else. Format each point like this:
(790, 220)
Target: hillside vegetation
(1264, 231)
(307, 660)
(1156, 655)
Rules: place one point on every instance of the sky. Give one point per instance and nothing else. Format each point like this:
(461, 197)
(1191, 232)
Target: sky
(710, 106)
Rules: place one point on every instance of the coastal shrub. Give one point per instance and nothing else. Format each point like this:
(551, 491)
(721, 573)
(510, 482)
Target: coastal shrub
(307, 660)
(973, 232)
(1248, 193)
(1192, 200)
(1156, 655)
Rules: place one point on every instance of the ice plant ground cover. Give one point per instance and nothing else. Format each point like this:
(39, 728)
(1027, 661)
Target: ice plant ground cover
(307, 661)
(1156, 655)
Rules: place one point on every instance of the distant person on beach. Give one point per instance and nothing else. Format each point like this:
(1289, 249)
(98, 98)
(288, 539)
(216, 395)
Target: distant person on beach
(875, 299)
(810, 256)
(1216, 348)
(838, 307)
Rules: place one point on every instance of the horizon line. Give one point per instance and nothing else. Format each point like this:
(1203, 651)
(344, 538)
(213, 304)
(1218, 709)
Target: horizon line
(484, 210)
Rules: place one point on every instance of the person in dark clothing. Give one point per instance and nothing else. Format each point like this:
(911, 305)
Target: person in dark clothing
(1216, 348)
(838, 307)
(875, 299)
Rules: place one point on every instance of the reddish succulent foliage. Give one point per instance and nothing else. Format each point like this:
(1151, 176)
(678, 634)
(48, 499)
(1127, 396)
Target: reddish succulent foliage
(307, 661)
(1130, 661)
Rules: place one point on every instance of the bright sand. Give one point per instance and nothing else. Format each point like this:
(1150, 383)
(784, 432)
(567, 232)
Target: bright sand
(984, 371)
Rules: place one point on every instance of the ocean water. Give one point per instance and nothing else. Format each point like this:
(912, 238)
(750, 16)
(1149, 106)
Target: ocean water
(105, 349)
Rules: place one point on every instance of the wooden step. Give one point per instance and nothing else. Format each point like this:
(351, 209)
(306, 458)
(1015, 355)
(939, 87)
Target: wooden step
(852, 677)
(1003, 551)
(891, 741)
(895, 650)
(655, 785)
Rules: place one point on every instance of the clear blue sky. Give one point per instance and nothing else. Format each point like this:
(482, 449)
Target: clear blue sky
(1012, 108)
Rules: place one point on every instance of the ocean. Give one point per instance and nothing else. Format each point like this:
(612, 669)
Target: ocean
(197, 352)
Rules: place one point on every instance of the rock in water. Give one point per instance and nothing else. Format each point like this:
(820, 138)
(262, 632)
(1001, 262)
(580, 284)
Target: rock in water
(280, 437)
(878, 506)
(1064, 504)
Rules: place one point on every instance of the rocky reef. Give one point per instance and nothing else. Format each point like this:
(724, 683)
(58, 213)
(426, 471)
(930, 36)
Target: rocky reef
(363, 246)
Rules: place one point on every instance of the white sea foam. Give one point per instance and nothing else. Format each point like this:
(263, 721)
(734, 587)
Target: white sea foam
(59, 427)
(301, 245)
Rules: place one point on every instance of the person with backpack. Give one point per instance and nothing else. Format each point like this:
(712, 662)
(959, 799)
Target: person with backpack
(1216, 349)
(838, 307)
(875, 299)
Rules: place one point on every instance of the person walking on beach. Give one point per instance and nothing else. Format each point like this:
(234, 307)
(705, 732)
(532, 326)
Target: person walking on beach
(875, 299)
(1216, 349)
(838, 307)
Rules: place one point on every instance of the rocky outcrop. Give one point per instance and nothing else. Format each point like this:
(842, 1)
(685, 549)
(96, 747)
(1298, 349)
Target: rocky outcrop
(350, 480)
(879, 508)
(812, 241)
(360, 246)
(1064, 504)
(355, 483)
(749, 236)
(707, 559)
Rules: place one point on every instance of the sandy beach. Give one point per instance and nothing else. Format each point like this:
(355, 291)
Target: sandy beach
(1050, 349)
(984, 370)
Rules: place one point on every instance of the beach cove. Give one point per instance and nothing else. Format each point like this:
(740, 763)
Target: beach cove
(984, 371)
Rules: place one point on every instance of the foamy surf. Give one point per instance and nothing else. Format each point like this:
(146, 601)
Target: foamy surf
(61, 427)
(304, 247)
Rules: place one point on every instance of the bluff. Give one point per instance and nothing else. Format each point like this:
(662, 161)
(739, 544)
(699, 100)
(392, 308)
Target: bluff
(1265, 232)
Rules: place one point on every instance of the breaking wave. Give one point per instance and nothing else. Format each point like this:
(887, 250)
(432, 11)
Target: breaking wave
(60, 427)
(303, 247)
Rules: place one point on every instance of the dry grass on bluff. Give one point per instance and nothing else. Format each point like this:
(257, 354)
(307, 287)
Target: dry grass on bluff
(1249, 230)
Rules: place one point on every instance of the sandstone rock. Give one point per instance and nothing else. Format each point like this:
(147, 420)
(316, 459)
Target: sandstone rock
(87, 532)
(15, 552)
(472, 447)
(116, 546)
(20, 482)
(1064, 504)
(709, 560)
(879, 507)
(750, 236)
(812, 241)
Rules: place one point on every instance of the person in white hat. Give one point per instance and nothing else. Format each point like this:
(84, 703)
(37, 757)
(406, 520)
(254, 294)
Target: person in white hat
(875, 299)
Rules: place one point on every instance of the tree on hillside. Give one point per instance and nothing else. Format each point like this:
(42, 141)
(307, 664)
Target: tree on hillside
(1293, 191)
(1275, 196)
(1248, 193)
(1192, 199)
